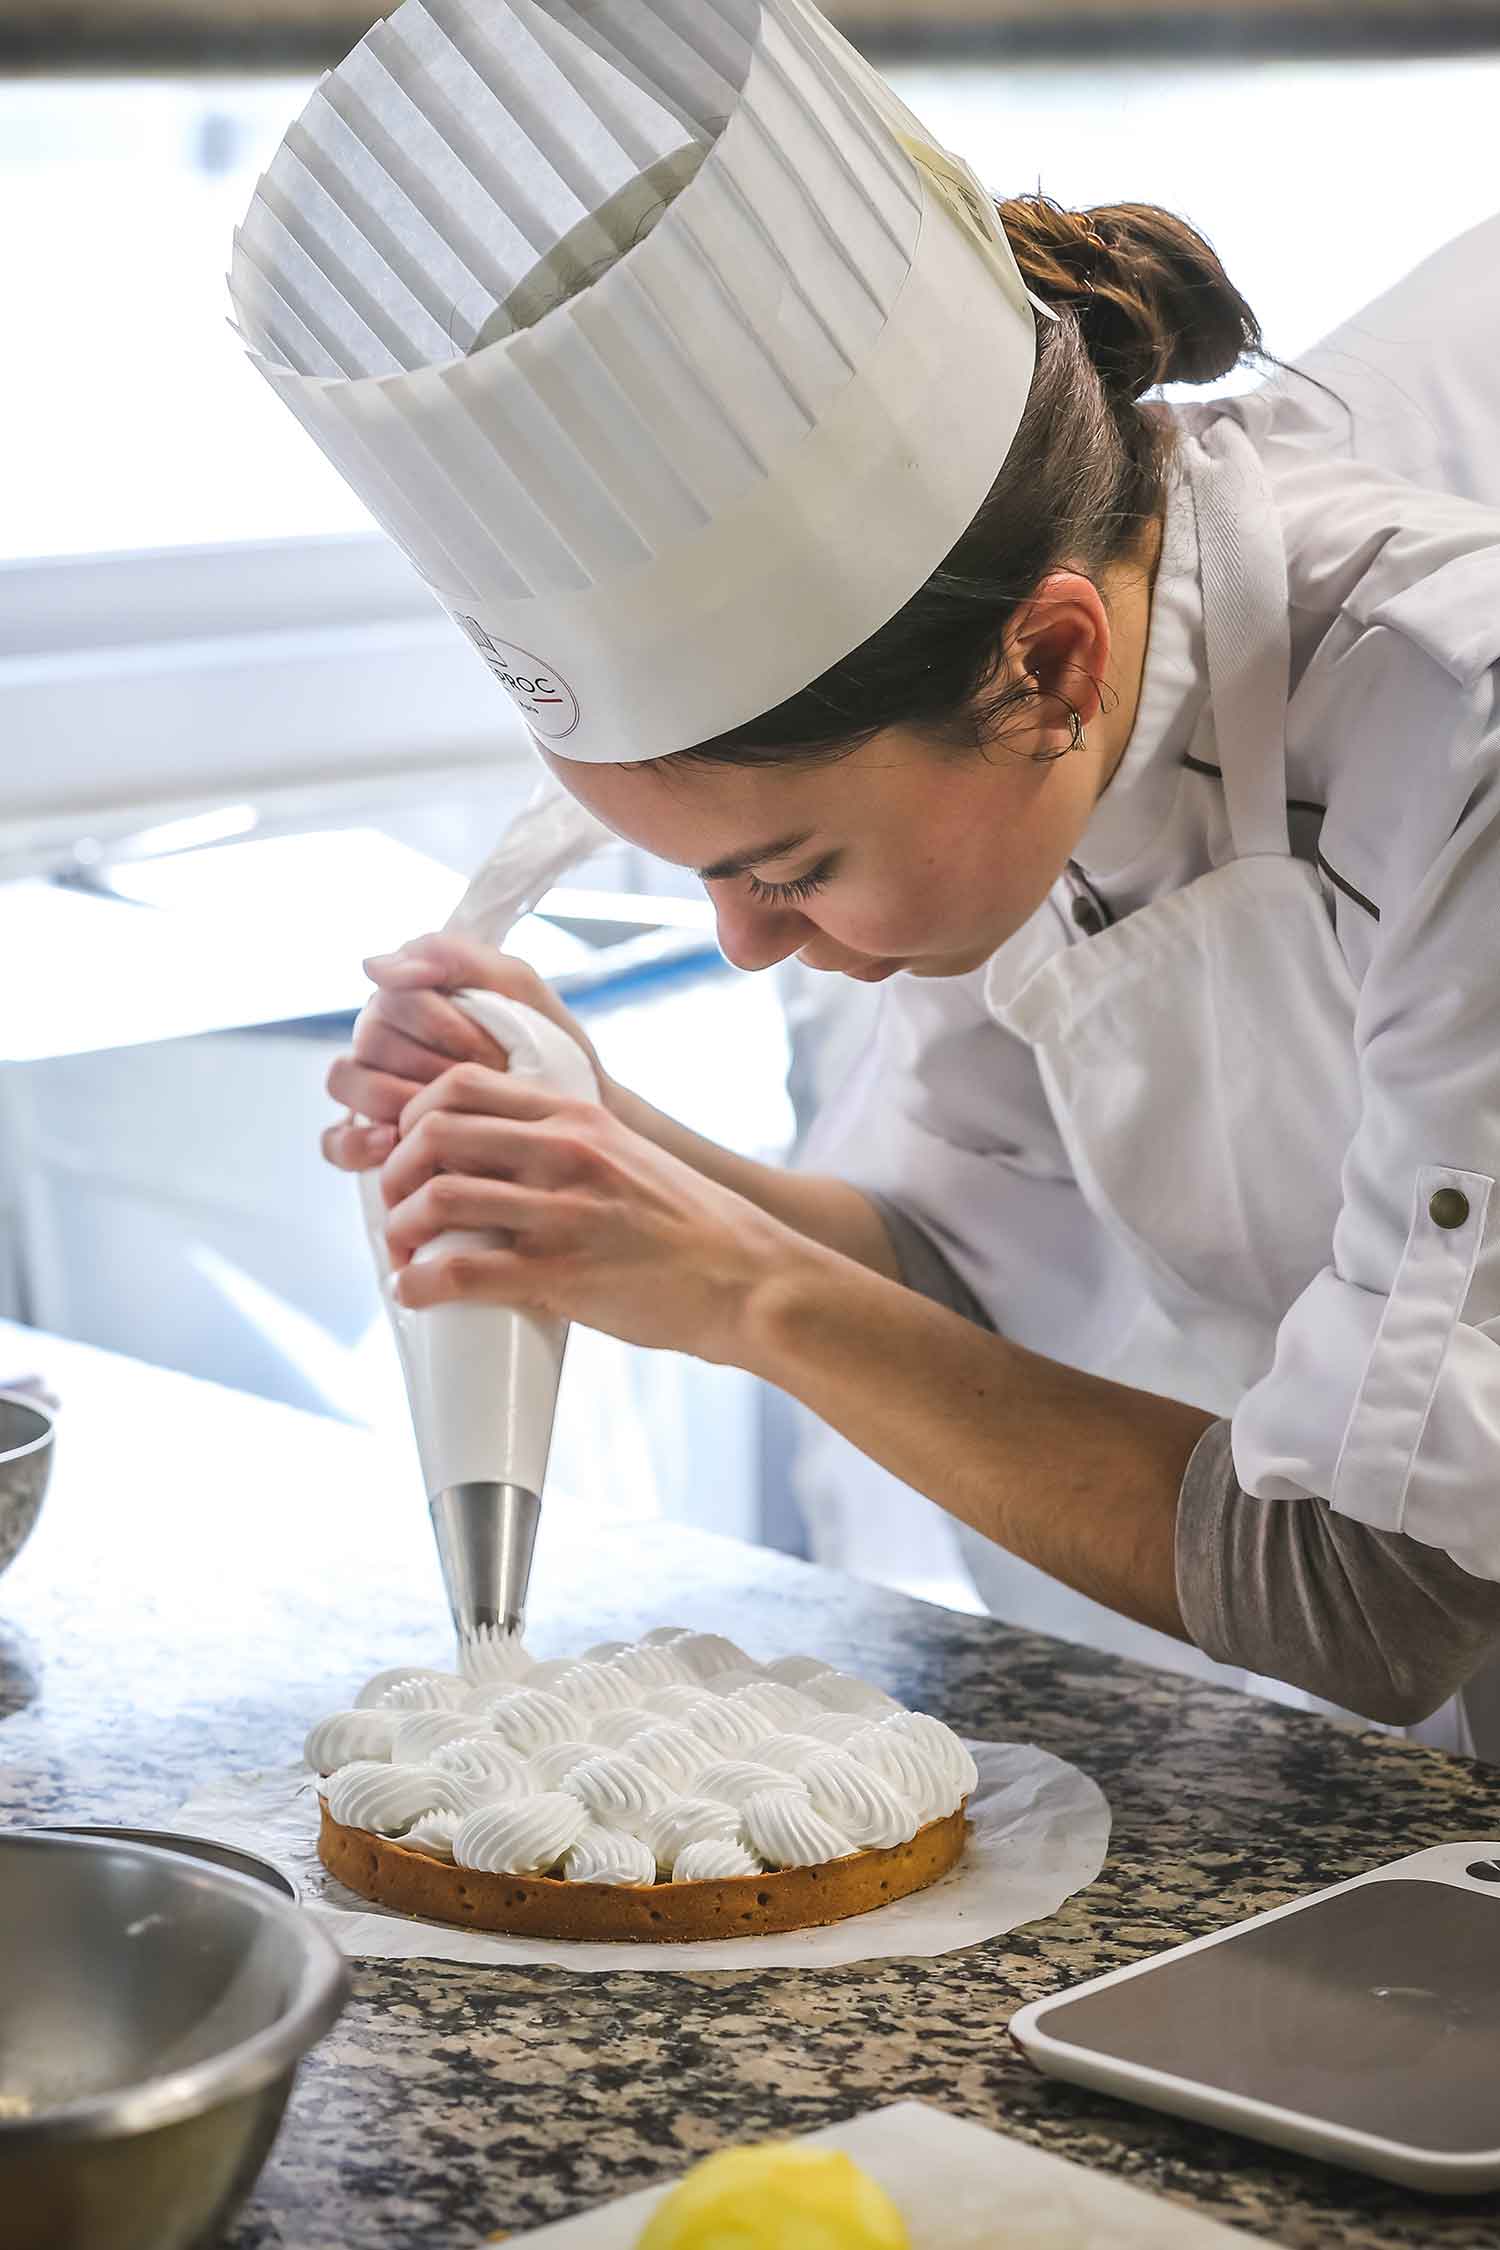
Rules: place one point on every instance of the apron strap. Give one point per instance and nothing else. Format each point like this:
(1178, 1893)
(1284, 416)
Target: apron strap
(1246, 632)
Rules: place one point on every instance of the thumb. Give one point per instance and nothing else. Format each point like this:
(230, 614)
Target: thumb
(445, 962)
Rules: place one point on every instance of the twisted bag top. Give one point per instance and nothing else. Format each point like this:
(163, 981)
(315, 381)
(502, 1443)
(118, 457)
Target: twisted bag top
(658, 333)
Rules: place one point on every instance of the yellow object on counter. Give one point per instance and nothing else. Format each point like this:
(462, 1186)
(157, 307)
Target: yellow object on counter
(776, 2198)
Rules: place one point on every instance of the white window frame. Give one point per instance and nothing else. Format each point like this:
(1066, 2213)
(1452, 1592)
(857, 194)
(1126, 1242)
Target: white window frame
(307, 677)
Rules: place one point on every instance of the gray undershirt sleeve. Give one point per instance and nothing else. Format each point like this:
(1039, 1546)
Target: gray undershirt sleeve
(1371, 1620)
(923, 1267)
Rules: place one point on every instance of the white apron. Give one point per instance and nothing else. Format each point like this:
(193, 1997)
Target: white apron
(1198, 1055)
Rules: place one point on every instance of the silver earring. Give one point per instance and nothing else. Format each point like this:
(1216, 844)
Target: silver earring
(1075, 739)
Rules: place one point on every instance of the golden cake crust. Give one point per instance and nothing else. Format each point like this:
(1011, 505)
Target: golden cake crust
(791, 1898)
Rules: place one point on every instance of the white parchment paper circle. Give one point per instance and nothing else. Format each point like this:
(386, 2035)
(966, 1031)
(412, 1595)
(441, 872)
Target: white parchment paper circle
(1039, 1830)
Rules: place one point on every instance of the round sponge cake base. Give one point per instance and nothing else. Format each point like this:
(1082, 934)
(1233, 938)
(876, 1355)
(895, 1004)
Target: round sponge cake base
(541, 1906)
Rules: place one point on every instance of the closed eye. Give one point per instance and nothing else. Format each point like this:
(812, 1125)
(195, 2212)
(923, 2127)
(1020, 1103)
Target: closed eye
(791, 894)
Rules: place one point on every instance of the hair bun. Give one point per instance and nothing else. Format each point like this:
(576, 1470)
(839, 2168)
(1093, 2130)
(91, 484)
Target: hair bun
(1152, 301)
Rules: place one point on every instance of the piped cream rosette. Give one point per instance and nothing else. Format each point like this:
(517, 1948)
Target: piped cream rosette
(675, 1758)
(660, 335)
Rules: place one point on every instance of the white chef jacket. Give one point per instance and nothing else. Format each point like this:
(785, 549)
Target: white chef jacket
(1384, 1392)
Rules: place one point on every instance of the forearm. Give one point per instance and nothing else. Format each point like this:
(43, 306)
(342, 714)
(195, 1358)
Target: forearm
(827, 1211)
(1075, 1474)
(1369, 1619)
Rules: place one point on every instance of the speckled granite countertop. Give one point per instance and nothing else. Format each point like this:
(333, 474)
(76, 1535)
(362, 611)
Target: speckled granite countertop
(212, 1571)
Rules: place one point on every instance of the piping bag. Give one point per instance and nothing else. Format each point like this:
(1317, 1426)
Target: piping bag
(481, 1380)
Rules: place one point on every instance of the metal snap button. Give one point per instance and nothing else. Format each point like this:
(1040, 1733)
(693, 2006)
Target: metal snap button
(1449, 1207)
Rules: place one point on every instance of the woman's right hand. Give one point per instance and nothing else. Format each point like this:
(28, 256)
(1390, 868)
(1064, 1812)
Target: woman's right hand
(411, 1032)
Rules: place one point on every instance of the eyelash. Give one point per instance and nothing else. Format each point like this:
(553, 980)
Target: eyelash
(790, 894)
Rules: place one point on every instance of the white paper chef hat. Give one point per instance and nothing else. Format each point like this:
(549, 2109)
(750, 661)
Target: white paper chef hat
(658, 333)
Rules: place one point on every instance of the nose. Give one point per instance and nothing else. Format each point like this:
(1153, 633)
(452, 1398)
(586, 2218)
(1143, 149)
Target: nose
(757, 937)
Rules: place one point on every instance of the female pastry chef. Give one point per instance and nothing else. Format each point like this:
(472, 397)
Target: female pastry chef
(1148, 756)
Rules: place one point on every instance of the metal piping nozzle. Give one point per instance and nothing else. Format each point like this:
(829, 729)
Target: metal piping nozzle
(486, 1534)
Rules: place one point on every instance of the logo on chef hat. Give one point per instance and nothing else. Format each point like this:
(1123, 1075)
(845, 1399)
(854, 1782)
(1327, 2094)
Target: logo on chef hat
(541, 695)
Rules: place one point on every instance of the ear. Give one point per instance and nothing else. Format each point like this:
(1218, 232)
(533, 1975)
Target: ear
(1060, 640)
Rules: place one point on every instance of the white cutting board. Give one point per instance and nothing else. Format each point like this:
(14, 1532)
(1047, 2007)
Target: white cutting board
(958, 2187)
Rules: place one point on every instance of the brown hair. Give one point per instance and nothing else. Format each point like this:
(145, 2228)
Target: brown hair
(1141, 300)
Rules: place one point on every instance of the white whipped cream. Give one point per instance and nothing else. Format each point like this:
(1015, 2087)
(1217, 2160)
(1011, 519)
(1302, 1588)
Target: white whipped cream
(707, 1653)
(464, 1792)
(736, 1779)
(953, 1761)
(671, 1750)
(375, 1690)
(419, 1733)
(617, 1789)
(429, 1691)
(550, 1768)
(616, 1728)
(609, 1855)
(841, 1691)
(676, 1702)
(588, 1688)
(550, 1670)
(346, 1735)
(523, 1836)
(386, 1799)
(651, 1665)
(675, 1756)
(774, 1708)
(714, 1862)
(432, 1834)
(726, 1726)
(913, 1769)
(484, 1757)
(783, 1827)
(689, 1820)
(789, 1753)
(531, 1718)
(489, 1657)
(836, 1726)
(796, 1671)
(860, 1802)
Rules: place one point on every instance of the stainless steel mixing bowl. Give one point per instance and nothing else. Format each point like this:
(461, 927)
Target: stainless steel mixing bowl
(153, 2010)
(192, 1847)
(25, 1465)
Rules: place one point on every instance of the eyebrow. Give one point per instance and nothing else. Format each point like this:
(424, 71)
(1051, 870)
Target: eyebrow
(738, 863)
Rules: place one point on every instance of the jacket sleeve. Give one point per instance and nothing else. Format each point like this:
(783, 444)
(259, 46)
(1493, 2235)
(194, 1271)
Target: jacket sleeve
(1384, 1394)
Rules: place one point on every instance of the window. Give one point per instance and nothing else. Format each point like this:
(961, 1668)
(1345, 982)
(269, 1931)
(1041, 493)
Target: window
(144, 425)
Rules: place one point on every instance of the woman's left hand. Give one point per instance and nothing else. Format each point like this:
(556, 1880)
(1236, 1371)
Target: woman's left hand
(601, 1225)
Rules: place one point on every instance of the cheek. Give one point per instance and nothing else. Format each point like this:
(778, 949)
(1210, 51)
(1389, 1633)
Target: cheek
(948, 877)
(972, 876)
(1001, 861)
(915, 904)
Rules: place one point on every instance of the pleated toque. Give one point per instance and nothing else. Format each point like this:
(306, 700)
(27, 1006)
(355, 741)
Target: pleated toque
(659, 334)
